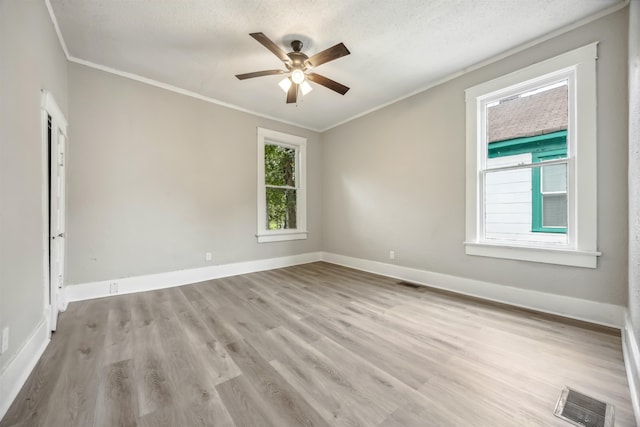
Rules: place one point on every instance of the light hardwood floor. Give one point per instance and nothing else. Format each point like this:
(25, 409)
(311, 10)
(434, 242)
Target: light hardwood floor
(314, 345)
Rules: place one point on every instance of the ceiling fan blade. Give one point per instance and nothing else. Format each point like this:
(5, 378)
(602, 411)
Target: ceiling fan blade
(327, 55)
(292, 94)
(259, 74)
(328, 83)
(266, 42)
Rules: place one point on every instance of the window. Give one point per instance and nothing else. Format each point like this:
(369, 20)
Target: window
(281, 186)
(549, 193)
(531, 163)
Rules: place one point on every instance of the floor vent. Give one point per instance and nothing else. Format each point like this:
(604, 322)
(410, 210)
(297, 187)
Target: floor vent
(583, 411)
(409, 285)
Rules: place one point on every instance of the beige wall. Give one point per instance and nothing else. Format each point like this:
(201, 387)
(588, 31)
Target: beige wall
(30, 59)
(156, 179)
(395, 179)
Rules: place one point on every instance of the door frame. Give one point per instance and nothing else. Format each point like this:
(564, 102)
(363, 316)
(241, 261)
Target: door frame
(49, 107)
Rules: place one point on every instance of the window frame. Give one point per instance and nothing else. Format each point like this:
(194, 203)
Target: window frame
(579, 67)
(537, 195)
(299, 144)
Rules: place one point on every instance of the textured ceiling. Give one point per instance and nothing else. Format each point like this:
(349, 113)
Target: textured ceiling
(397, 47)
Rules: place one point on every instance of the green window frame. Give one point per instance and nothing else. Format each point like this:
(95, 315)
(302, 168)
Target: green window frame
(530, 144)
(536, 191)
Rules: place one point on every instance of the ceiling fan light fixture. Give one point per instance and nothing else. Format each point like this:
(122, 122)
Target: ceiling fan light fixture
(297, 76)
(285, 84)
(305, 87)
(296, 64)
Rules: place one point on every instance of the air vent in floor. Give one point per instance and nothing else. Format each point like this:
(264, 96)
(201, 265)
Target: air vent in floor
(583, 411)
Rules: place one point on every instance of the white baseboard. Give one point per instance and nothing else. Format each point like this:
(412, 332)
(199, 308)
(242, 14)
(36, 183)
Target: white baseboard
(575, 308)
(631, 353)
(170, 279)
(19, 368)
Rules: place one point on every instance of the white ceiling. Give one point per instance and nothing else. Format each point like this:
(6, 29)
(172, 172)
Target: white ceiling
(397, 46)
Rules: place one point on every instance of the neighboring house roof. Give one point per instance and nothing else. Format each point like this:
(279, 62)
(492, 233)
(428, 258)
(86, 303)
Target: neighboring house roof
(532, 115)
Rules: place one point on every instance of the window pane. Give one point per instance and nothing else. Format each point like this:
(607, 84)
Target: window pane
(554, 178)
(508, 204)
(509, 208)
(554, 210)
(279, 165)
(281, 209)
(529, 123)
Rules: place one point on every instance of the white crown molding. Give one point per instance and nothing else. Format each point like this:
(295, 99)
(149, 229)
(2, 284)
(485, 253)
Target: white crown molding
(19, 368)
(575, 308)
(490, 60)
(63, 44)
(170, 279)
(182, 91)
(156, 83)
(445, 79)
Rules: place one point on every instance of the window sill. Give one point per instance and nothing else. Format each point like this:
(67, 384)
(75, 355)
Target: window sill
(281, 237)
(574, 258)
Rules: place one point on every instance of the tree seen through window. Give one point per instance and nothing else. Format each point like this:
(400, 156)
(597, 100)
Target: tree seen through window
(281, 186)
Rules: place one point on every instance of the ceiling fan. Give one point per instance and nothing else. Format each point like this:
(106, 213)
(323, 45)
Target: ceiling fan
(298, 64)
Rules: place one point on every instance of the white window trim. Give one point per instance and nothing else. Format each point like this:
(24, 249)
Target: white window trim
(582, 248)
(267, 136)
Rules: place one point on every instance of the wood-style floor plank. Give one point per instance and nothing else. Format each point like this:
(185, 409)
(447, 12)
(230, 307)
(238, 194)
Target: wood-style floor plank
(117, 404)
(73, 399)
(244, 404)
(339, 392)
(118, 344)
(314, 345)
(287, 406)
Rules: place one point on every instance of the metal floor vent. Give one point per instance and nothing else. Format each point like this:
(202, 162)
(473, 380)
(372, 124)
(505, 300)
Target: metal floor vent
(583, 411)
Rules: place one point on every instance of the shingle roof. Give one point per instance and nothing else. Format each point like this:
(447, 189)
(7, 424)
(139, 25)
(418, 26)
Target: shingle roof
(532, 115)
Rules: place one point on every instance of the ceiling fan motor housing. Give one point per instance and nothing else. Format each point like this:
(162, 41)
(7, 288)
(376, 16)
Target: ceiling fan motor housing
(296, 45)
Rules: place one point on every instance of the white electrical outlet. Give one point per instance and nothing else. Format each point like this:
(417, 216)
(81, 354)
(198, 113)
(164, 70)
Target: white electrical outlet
(208, 256)
(392, 254)
(113, 288)
(5, 340)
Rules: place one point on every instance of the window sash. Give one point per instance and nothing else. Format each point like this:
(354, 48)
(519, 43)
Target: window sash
(525, 165)
(485, 236)
(295, 188)
(290, 219)
(296, 151)
(484, 154)
(285, 187)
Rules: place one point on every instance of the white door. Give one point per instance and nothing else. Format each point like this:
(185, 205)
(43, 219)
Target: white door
(54, 139)
(57, 222)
